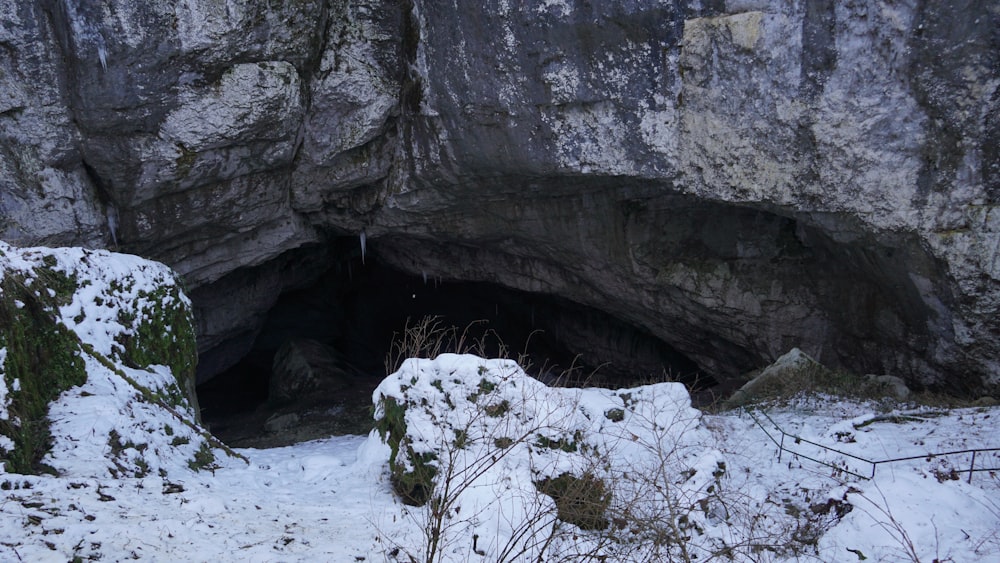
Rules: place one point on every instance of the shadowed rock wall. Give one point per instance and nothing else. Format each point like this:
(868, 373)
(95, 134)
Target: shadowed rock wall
(736, 178)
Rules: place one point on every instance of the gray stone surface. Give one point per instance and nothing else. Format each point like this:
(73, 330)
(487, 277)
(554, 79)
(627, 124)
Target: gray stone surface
(736, 177)
(894, 385)
(281, 422)
(305, 368)
(790, 373)
(46, 196)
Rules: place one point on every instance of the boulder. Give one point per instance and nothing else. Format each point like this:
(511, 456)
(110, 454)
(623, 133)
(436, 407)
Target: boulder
(792, 371)
(281, 422)
(895, 386)
(305, 369)
(796, 372)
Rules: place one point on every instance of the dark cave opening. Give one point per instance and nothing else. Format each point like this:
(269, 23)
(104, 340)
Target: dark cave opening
(348, 319)
(703, 294)
(699, 293)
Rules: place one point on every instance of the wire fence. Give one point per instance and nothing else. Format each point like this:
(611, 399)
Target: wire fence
(780, 441)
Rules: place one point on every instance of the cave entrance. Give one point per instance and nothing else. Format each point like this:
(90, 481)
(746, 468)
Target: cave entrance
(341, 328)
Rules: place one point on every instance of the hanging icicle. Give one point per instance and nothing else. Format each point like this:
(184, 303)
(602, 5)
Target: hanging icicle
(112, 215)
(424, 273)
(363, 245)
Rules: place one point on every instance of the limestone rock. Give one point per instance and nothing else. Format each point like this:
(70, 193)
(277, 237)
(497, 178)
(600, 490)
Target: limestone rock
(738, 181)
(281, 422)
(243, 123)
(46, 196)
(734, 178)
(986, 402)
(793, 370)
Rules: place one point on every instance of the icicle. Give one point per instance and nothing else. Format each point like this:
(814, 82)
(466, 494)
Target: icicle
(112, 215)
(86, 31)
(363, 245)
(424, 273)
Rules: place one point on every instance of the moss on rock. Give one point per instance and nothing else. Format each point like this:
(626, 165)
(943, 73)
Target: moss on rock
(581, 501)
(164, 334)
(58, 306)
(412, 475)
(42, 360)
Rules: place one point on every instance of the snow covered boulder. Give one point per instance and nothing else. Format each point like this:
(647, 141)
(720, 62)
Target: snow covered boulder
(502, 464)
(97, 365)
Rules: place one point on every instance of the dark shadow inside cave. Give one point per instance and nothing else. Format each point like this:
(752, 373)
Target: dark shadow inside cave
(727, 289)
(345, 322)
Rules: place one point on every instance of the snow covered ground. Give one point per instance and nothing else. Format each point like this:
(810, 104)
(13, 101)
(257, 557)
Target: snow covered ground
(672, 483)
(330, 500)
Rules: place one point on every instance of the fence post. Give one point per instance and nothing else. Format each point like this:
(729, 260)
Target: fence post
(972, 465)
(781, 446)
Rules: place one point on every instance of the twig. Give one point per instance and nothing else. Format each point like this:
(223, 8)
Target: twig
(149, 396)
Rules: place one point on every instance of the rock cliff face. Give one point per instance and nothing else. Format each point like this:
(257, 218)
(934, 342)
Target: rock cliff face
(736, 178)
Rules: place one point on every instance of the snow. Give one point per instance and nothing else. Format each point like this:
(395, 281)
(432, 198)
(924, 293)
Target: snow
(333, 499)
(559, 7)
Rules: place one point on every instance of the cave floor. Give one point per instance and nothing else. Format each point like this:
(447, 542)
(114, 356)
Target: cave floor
(267, 426)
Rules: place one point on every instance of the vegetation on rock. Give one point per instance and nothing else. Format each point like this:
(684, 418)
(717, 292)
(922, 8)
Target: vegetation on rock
(69, 316)
(42, 360)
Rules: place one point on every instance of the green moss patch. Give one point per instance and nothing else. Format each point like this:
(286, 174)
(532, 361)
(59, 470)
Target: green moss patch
(581, 501)
(416, 484)
(412, 474)
(614, 415)
(43, 360)
(203, 459)
(164, 334)
(562, 443)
